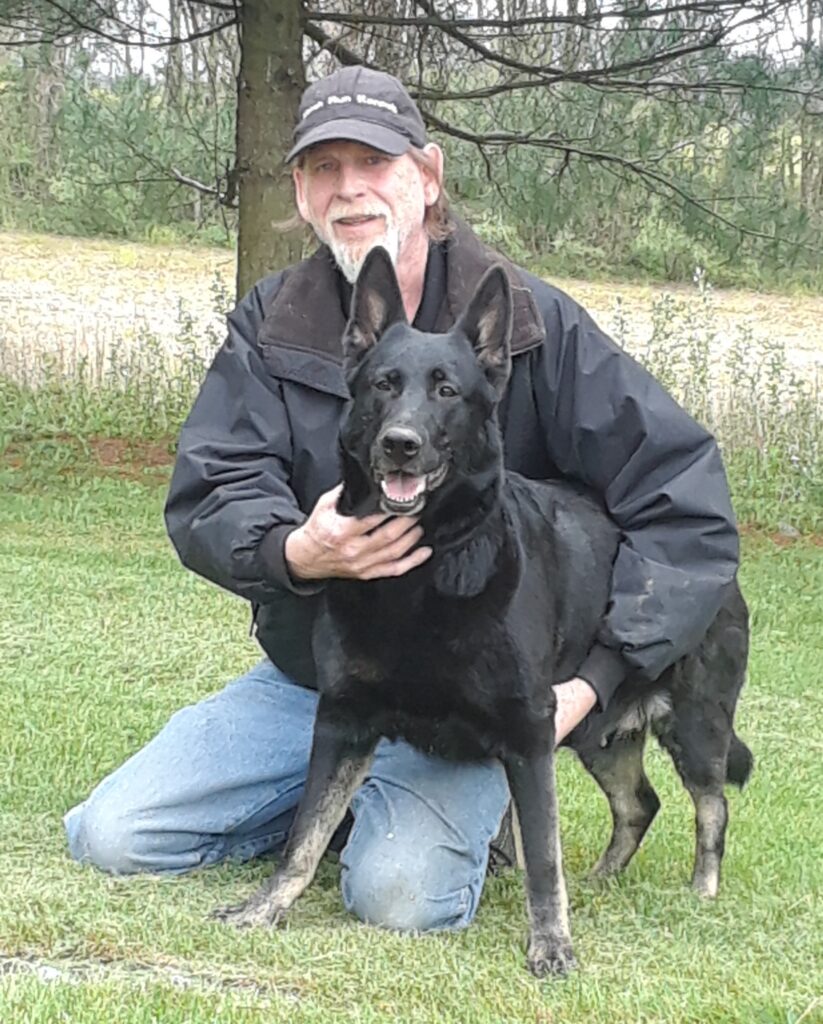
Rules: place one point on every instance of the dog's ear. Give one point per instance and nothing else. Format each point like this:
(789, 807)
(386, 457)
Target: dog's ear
(376, 305)
(487, 323)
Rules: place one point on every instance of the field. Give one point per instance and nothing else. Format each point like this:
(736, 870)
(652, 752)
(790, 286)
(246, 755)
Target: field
(103, 635)
(81, 297)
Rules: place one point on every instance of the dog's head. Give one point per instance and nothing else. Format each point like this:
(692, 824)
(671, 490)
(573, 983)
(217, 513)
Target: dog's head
(421, 417)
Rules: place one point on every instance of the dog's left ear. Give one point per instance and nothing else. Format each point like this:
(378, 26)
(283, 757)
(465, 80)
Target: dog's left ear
(376, 304)
(487, 323)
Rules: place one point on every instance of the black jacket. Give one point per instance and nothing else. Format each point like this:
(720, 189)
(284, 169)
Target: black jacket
(259, 447)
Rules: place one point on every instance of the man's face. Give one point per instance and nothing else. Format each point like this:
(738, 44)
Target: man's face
(356, 197)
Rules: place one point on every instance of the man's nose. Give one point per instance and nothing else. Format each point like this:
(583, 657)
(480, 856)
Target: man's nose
(350, 182)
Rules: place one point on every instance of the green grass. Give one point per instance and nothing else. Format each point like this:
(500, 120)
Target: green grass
(103, 635)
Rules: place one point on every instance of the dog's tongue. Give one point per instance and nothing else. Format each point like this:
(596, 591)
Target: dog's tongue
(403, 486)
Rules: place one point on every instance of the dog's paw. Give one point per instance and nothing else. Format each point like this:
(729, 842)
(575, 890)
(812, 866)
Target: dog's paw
(706, 885)
(605, 870)
(550, 957)
(254, 913)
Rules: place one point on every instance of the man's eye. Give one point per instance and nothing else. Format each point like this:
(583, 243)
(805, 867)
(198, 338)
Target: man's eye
(447, 391)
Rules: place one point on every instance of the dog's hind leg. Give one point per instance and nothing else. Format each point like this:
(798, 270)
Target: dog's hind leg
(618, 769)
(698, 740)
(337, 767)
(531, 781)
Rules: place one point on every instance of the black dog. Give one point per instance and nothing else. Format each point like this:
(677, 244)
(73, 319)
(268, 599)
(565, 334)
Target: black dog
(458, 656)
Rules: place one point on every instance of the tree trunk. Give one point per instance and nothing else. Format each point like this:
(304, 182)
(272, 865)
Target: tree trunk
(174, 57)
(269, 86)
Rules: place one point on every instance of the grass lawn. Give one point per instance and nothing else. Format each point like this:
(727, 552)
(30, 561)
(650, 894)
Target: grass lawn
(103, 635)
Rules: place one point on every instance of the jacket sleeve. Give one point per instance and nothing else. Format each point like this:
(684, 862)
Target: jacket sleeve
(610, 424)
(230, 506)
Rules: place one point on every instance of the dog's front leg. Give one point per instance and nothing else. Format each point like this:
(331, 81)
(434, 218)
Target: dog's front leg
(337, 766)
(531, 781)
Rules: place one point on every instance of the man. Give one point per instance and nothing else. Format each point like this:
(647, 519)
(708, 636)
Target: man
(252, 508)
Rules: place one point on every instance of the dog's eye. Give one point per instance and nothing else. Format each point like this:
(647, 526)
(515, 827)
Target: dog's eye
(383, 384)
(447, 391)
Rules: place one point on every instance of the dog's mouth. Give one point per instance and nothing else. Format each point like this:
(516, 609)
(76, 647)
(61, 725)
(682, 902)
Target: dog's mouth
(405, 494)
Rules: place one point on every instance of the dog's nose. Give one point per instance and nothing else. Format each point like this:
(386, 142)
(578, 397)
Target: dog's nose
(400, 444)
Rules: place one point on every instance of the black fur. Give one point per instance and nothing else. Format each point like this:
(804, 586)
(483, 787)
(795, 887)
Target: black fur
(458, 656)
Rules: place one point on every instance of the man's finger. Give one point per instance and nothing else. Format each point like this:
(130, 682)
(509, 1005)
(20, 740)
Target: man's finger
(360, 527)
(389, 532)
(399, 568)
(387, 553)
(351, 525)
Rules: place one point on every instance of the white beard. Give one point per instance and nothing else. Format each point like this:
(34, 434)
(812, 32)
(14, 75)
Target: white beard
(350, 257)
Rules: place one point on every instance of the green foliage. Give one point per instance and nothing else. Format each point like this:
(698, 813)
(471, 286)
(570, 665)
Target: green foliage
(634, 182)
(103, 163)
(602, 194)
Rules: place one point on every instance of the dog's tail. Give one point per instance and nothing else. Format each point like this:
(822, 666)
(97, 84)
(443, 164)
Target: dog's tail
(739, 763)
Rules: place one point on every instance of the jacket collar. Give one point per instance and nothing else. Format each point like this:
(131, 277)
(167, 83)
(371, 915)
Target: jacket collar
(306, 315)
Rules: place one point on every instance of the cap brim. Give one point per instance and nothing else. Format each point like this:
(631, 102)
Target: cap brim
(351, 130)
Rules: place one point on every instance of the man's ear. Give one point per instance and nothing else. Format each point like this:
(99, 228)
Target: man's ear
(298, 178)
(432, 174)
(487, 323)
(376, 304)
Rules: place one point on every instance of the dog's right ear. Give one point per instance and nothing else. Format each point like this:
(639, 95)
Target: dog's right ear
(376, 304)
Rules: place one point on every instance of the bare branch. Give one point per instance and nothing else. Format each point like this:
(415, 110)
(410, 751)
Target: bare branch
(139, 40)
(221, 195)
(659, 182)
(590, 19)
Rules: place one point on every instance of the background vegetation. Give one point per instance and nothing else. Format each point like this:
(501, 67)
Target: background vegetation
(584, 139)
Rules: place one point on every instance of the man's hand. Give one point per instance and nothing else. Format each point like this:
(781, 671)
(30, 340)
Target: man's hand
(329, 544)
(575, 699)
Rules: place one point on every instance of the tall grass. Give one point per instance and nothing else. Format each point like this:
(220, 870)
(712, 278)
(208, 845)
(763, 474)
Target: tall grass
(767, 417)
(137, 386)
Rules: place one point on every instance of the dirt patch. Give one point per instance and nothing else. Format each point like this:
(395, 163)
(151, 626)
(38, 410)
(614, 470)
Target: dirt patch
(779, 538)
(62, 456)
(118, 453)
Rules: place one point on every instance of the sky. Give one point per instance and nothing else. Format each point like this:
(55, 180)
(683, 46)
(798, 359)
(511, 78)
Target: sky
(787, 39)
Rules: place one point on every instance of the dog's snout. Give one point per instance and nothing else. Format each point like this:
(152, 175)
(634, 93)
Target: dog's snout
(401, 444)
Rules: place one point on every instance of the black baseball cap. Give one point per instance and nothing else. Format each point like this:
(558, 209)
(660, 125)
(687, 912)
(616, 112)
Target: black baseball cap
(359, 105)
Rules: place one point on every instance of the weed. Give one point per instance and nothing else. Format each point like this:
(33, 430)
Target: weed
(139, 386)
(768, 419)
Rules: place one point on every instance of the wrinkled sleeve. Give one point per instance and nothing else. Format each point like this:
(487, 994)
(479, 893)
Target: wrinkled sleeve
(230, 506)
(610, 424)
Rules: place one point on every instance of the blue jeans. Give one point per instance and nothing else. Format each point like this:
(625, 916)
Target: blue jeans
(223, 779)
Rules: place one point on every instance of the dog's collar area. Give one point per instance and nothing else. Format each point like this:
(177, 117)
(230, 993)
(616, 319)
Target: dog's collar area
(453, 532)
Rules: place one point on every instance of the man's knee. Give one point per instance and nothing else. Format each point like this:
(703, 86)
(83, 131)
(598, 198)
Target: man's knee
(420, 891)
(100, 836)
(100, 833)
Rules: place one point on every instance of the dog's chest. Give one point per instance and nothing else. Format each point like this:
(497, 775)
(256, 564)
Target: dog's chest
(447, 680)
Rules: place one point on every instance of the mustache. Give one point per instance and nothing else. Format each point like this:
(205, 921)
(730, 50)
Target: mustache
(367, 211)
